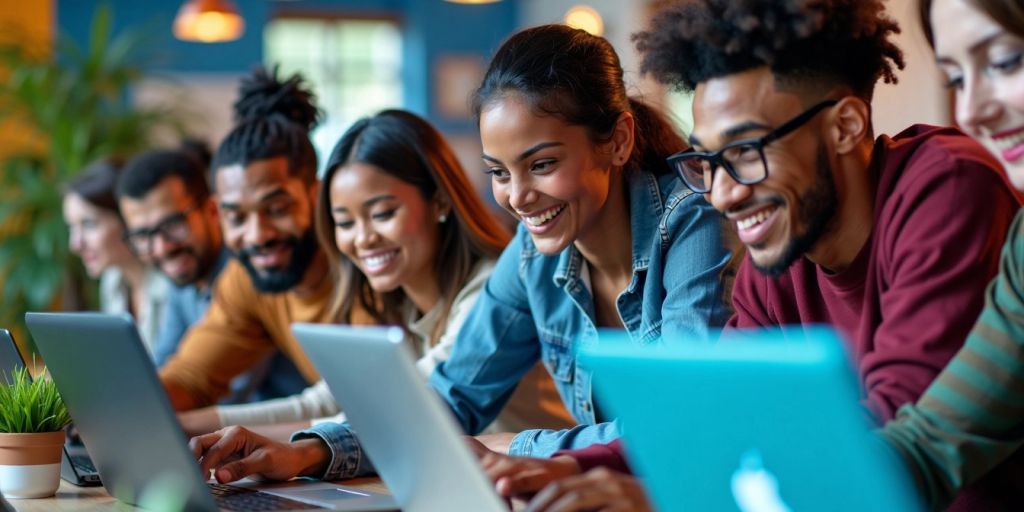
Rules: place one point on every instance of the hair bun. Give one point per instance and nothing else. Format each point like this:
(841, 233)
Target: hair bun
(262, 95)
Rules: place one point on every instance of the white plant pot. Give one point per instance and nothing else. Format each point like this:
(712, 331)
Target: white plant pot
(30, 464)
(29, 481)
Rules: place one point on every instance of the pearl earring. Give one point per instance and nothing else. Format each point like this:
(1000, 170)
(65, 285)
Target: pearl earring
(442, 218)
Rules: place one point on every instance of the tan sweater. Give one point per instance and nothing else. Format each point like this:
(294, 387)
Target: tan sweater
(242, 326)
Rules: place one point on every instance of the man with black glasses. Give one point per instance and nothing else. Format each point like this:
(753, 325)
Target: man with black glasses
(889, 239)
(172, 223)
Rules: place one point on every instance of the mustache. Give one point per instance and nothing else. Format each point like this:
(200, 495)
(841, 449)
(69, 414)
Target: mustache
(251, 250)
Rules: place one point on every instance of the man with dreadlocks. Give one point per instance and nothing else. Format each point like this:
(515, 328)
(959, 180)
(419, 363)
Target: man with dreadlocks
(264, 182)
(889, 239)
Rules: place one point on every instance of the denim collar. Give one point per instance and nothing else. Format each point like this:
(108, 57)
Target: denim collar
(645, 211)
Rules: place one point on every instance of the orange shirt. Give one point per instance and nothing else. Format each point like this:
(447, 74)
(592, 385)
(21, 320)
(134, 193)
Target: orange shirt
(241, 327)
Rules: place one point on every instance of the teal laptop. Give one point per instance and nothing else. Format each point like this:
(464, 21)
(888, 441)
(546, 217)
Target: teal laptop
(761, 421)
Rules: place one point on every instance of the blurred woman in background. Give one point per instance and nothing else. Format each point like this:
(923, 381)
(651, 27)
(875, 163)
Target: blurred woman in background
(96, 235)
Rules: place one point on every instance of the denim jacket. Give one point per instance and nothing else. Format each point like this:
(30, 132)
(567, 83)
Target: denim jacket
(540, 307)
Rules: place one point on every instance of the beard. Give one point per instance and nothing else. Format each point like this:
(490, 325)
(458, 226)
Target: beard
(281, 280)
(185, 279)
(205, 260)
(818, 208)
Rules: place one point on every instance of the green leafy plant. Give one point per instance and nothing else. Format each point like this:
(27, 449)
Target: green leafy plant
(31, 405)
(80, 105)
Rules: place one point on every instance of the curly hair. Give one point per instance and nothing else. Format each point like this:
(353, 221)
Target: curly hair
(836, 42)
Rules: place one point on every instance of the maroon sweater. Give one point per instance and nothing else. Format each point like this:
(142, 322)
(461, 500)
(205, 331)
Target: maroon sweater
(906, 304)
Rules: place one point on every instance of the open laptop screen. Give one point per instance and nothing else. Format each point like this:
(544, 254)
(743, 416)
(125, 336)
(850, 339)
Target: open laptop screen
(763, 417)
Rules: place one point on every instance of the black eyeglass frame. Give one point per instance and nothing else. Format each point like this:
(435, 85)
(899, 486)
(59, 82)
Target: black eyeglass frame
(160, 229)
(716, 159)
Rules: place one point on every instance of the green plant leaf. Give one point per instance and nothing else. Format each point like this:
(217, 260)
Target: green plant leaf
(30, 406)
(81, 103)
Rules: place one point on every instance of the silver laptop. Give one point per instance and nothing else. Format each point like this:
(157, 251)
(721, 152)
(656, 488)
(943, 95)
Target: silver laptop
(405, 428)
(123, 414)
(75, 464)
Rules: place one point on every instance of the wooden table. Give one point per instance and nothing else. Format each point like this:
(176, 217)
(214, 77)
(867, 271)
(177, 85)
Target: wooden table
(71, 497)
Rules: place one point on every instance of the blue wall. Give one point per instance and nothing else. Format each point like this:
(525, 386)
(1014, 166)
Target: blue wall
(431, 28)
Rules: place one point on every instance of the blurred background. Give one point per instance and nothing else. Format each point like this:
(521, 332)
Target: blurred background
(83, 79)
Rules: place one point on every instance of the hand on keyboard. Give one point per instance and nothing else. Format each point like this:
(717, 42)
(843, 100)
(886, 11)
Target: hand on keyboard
(235, 453)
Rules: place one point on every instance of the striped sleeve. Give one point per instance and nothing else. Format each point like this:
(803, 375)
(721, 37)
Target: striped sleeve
(971, 418)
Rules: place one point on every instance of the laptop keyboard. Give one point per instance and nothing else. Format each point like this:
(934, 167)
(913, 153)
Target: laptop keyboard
(230, 497)
(83, 463)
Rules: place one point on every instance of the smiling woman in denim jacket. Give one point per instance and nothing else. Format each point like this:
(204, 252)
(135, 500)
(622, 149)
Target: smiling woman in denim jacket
(608, 237)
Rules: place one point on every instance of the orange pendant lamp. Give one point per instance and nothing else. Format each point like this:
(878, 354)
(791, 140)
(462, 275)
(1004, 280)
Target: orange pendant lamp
(208, 21)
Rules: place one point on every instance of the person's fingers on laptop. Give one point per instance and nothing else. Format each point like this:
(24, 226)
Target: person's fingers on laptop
(230, 443)
(515, 476)
(598, 489)
(525, 483)
(272, 460)
(499, 468)
(199, 444)
(256, 464)
(497, 464)
(518, 476)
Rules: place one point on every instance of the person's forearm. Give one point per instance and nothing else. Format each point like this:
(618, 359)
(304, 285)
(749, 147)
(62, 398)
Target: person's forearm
(937, 473)
(346, 458)
(316, 455)
(497, 442)
(199, 421)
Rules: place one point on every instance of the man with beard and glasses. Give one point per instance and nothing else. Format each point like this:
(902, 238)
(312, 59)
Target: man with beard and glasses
(889, 239)
(264, 183)
(171, 223)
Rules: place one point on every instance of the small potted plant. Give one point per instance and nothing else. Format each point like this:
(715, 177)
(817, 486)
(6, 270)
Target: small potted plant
(32, 421)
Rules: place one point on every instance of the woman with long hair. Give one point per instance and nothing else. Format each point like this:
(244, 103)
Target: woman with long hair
(608, 237)
(413, 244)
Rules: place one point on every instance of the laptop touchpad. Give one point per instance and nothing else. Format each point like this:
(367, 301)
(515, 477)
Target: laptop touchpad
(326, 495)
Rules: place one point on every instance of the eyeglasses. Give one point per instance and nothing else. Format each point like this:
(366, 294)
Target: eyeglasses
(174, 228)
(743, 159)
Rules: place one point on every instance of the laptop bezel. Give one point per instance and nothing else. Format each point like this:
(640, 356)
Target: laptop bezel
(408, 431)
